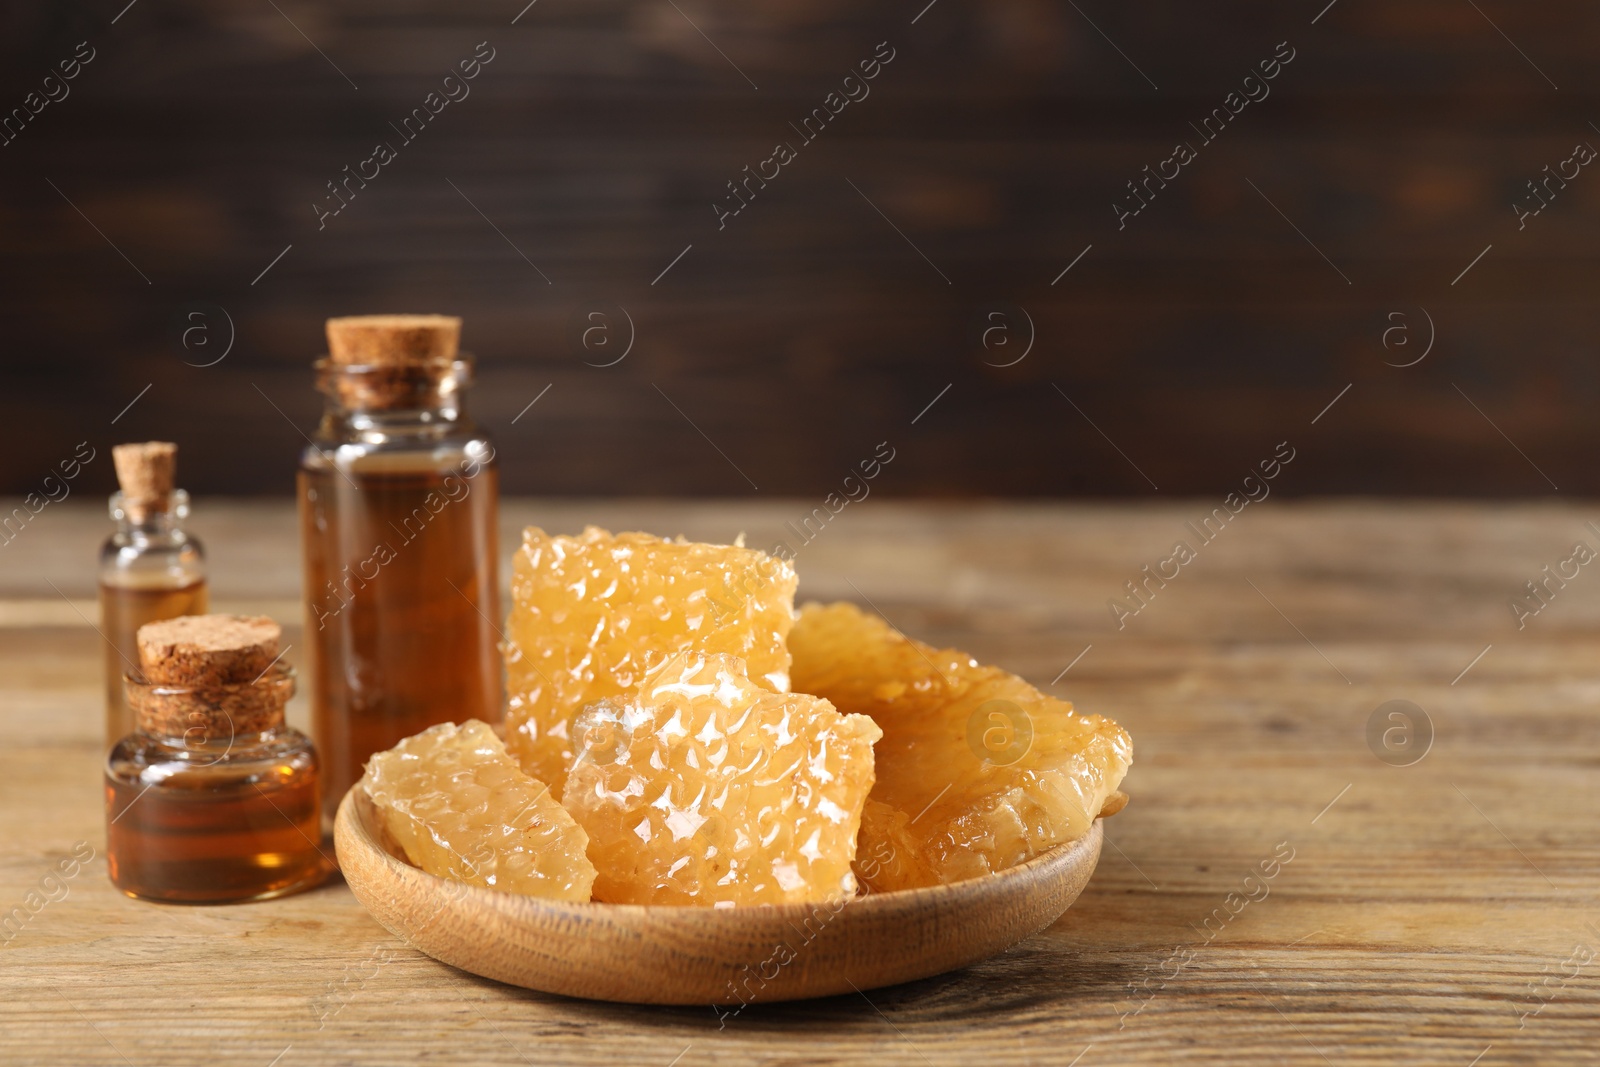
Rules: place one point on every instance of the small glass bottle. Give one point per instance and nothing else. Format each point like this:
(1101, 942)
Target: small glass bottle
(150, 567)
(213, 799)
(398, 514)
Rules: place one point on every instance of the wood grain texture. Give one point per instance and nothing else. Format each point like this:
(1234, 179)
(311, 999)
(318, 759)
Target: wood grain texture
(731, 957)
(807, 330)
(1420, 904)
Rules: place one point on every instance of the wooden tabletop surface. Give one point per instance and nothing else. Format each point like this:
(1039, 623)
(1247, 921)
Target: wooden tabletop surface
(1443, 912)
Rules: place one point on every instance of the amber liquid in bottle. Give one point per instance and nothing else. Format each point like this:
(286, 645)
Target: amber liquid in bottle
(213, 798)
(151, 569)
(125, 608)
(401, 604)
(215, 834)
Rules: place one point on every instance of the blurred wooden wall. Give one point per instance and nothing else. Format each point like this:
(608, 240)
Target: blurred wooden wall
(777, 353)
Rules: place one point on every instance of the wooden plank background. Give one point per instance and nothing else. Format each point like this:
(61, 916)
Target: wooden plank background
(808, 330)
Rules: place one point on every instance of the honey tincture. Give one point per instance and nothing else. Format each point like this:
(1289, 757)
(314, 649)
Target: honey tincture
(398, 511)
(213, 798)
(150, 567)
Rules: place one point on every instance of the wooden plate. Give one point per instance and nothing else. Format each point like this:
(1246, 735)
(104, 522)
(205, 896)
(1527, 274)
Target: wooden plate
(686, 955)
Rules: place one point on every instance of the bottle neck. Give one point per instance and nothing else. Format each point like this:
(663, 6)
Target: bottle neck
(379, 403)
(213, 740)
(150, 521)
(212, 718)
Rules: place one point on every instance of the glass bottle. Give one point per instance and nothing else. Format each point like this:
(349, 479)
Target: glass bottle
(213, 798)
(398, 511)
(150, 569)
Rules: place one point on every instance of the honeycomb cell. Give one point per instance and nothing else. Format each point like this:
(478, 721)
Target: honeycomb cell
(462, 808)
(591, 614)
(706, 788)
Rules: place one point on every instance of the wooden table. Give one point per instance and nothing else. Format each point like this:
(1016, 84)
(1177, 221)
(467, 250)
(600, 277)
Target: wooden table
(1438, 913)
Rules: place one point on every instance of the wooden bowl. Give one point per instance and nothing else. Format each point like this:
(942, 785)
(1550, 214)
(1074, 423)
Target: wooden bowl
(687, 955)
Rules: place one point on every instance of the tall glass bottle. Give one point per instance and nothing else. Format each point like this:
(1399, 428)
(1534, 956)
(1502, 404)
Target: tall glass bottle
(150, 567)
(398, 510)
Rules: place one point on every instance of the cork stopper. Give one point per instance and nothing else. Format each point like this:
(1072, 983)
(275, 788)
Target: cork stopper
(215, 675)
(201, 650)
(390, 362)
(145, 473)
(389, 340)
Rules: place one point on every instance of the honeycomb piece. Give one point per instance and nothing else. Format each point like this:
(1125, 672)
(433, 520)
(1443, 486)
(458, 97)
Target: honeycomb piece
(462, 809)
(888, 855)
(977, 770)
(705, 788)
(590, 614)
